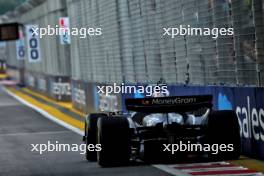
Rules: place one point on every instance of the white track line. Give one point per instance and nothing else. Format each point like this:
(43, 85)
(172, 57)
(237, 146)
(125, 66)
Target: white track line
(214, 169)
(34, 133)
(200, 164)
(44, 113)
(224, 167)
(170, 170)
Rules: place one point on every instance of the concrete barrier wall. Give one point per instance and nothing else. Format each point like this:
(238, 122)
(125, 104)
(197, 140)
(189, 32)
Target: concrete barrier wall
(55, 87)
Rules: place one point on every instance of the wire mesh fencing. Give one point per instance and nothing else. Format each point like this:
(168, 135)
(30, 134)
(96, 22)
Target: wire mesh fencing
(134, 49)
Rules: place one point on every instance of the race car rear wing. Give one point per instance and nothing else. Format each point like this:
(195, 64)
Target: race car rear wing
(169, 104)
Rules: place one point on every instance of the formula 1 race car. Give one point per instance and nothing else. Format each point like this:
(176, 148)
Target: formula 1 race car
(154, 127)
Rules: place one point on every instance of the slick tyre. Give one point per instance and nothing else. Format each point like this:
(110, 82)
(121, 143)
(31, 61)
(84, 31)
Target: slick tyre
(90, 134)
(114, 137)
(223, 129)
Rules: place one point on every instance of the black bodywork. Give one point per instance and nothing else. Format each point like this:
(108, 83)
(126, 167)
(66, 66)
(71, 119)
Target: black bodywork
(125, 136)
(145, 139)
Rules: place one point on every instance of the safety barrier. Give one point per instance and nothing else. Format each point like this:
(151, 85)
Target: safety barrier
(55, 87)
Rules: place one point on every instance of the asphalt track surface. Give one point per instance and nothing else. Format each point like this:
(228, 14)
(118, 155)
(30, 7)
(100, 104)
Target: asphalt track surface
(21, 126)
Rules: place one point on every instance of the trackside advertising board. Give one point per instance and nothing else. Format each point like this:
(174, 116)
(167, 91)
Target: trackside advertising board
(64, 24)
(34, 54)
(249, 106)
(20, 46)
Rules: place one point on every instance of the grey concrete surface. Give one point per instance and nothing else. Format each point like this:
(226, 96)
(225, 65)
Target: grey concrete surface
(20, 127)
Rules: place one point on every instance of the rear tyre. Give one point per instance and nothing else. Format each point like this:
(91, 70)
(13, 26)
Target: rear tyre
(90, 134)
(114, 137)
(223, 129)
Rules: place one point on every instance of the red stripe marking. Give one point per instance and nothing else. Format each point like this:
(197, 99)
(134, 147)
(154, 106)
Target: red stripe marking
(206, 166)
(224, 172)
